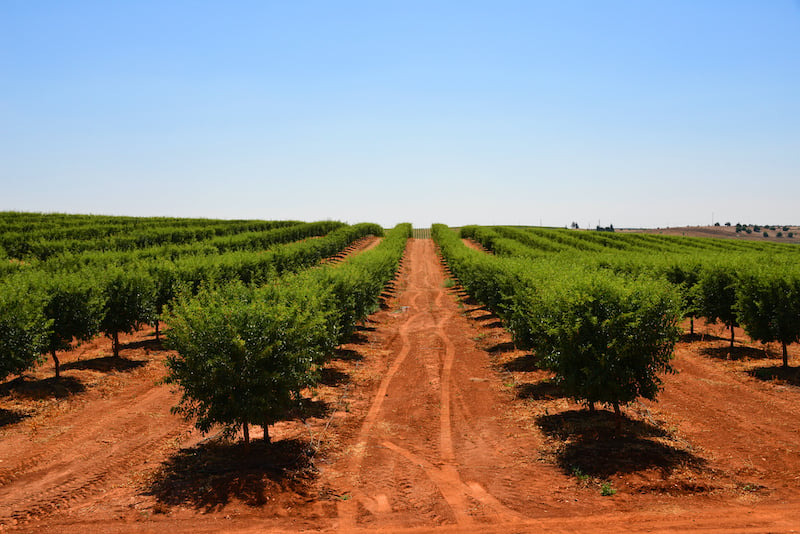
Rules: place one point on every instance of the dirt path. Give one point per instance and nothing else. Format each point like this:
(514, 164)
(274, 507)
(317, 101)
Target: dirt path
(81, 449)
(432, 448)
(443, 444)
(749, 429)
(88, 454)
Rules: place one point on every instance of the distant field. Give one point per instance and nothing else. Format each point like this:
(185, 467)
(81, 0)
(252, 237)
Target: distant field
(726, 232)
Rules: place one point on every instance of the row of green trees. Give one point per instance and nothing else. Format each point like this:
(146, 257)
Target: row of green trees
(737, 284)
(549, 240)
(764, 299)
(607, 337)
(44, 245)
(246, 352)
(57, 259)
(757, 291)
(44, 311)
(19, 235)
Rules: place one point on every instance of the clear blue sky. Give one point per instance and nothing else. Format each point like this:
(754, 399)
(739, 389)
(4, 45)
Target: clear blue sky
(635, 113)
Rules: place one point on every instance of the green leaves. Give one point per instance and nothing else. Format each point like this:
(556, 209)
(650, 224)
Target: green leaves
(576, 294)
(717, 293)
(113, 274)
(24, 329)
(606, 336)
(128, 302)
(768, 305)
(245, 353)
(75, 307)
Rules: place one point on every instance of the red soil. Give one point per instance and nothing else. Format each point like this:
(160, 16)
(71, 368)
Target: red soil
(429, 420)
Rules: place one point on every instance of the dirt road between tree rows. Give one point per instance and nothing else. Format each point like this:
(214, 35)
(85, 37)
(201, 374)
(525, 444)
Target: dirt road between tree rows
(434, 446)
(428, 421)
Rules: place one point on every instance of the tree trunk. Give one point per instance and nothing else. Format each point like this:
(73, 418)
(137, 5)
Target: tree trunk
(591, 406)
(266, 433)
(115, 344)
(58, 367)
(785, 356)
(617, 418)
(246, 430)
(731, 337)
(691, 326)
(157, 331)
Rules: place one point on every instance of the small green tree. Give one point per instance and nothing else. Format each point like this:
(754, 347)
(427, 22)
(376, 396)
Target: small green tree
(75, 308)
(716, 292)
(768, 306)
(607, 338)
(24, 329)
(128, 302)
(166, 284)
(244, 355)
(685, 275)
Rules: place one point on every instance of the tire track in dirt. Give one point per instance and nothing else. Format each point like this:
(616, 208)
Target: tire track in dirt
(392, 452)
(698, 397)
(345, 509)
(86, 451)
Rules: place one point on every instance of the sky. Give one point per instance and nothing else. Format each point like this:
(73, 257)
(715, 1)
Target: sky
(636, 113)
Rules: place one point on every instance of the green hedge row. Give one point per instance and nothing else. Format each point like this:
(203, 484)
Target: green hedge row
(607, 337)
(111, 298)
(753, 285)
(244, 353)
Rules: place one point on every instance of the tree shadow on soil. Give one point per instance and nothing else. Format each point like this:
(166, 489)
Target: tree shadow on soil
(307, 408)
(522, 364)
(505, 346)
(543, 390)
(105, 364)
(332, 377)
(689, 338)
(210, 476)
(738, 353)
(468, 300)
(488, 318)
(153, 345)
(46, 388)
(777, 373)
(347, 355)
(11, 417)
(357, 338)
(590, 444)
